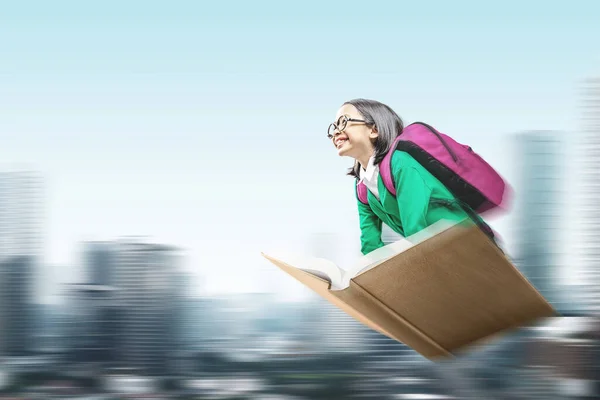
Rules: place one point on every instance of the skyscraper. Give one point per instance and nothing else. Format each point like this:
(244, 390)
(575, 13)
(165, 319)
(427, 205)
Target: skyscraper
(16, 307)
(93, 323)
(541, 217)
(20, 214)
(99, 260)
(20, 245)
(146, 300)
(182, 326)
(93, 326)
(589, 243)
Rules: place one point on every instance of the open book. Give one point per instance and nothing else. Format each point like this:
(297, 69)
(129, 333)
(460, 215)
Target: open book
(339, 277)
(439, 291)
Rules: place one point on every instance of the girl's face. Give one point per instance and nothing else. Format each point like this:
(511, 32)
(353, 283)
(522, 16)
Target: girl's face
(350, 135)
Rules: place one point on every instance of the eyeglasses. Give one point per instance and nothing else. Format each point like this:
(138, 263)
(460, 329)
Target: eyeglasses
(340, 125)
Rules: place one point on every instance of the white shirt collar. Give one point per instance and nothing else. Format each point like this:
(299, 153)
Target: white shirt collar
(371, 170)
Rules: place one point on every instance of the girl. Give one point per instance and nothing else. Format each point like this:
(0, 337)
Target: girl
(365, 130)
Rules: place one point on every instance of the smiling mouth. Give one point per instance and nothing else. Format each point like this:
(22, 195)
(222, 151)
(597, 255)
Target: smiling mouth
(339, 143)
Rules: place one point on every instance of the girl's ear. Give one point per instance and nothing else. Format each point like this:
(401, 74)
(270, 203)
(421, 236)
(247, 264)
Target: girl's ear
(374, 134)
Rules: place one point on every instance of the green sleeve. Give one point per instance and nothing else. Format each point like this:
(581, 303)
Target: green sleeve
(413, 195)
(370, 229)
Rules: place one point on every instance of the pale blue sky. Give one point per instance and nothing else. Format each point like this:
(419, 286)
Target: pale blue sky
(180, 119)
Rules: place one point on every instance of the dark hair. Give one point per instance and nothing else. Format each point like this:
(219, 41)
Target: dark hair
(388, 124)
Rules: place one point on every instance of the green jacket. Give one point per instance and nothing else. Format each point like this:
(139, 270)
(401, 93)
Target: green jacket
(421, 200)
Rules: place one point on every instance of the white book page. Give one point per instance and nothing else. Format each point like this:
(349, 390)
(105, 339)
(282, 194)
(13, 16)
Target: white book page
(320, 267)
(371, 260)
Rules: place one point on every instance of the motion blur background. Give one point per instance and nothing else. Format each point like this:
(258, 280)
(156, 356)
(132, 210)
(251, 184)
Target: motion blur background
(151, 150)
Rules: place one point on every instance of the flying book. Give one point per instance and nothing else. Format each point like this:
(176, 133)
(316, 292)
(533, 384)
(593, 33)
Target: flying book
(439, 291)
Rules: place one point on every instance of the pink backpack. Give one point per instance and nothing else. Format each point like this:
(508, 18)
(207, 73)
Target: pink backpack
(472, 180)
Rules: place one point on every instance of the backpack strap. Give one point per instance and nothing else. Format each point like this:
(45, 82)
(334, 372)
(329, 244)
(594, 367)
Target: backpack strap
(361, 192)
(385, 168)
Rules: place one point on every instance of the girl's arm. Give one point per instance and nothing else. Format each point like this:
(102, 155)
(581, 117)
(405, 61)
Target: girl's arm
(370, 229)
(413, 192)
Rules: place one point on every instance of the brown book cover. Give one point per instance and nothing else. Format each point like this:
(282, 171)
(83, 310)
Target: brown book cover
(441, 296)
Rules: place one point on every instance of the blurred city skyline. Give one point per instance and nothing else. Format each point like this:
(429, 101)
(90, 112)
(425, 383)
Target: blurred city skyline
(151, 151)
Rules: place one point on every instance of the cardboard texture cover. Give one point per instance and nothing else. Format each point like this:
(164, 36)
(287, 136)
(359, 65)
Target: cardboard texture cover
(441, 296)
